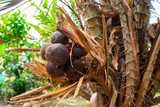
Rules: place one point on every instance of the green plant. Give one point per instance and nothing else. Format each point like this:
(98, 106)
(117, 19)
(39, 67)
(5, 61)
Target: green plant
(20, 85)
(13, 33)
(47, 19)
(10, 91)
(14, 29)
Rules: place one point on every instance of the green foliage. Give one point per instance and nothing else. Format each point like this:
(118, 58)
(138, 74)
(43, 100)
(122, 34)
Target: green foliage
(2, 49)
(8, 4)
(45, 5)
(73, 16)
(13, 31)
(47, 20)
(19, 85)
(10, 92)
(14, 28)
(24, 83)
(11, 63)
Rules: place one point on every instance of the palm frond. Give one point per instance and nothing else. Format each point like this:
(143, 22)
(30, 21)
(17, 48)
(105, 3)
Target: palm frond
(10, 4)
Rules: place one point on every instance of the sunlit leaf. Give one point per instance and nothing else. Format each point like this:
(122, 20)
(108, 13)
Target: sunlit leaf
(2, 49)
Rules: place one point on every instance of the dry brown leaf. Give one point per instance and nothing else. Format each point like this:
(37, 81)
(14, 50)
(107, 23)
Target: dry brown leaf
(31, 92)
(151, 31)
(78, 86)
(67, 16)
(109, 83)
(68, 91)
(105, 38)
(116, 56)
(114, 97)
(111, 39)
(69, 34)
(92, 46)
(67, 30)
(65, 23)
(106, 76)
(59, 79)
(55, 92)
(105, 42)
(48, 99)
(42, 69)
(72, 24)
(101, 61)
(35, 71)
(40, 61)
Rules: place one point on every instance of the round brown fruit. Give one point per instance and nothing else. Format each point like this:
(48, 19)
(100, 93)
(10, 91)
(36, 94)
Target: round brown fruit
(58, 37)
(78, 52)
(78, 65)
(57, 54)
(53, 71)
(43, 50)
(73, 73)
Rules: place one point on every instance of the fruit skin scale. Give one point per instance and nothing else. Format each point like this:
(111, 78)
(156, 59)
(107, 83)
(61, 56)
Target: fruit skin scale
(73, 71)
(78, 52)
(58, 37)
(57, 54)
(43, 50)
(53, 71)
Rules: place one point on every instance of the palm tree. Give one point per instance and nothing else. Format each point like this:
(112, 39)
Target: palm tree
(122, 45)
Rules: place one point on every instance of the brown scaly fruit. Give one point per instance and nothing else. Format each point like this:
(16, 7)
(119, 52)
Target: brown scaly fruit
(57, 54)
(78, 51)
(72, 73)
(53, 71)
(58, 37)
(43, 50)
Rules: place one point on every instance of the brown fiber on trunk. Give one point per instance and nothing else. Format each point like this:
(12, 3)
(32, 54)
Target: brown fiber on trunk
(131, 53)
(91, 18)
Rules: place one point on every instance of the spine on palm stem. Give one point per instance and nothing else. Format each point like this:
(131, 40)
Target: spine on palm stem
(131, 50)
(141, 16)
(91, 18)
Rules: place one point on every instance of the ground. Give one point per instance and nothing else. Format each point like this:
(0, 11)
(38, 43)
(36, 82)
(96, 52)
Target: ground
(68, 102)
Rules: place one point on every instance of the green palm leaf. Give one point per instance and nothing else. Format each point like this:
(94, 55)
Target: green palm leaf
(10, 3)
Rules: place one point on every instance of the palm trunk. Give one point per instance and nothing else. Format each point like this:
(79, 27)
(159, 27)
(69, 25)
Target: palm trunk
(131, 53)
(91, 18)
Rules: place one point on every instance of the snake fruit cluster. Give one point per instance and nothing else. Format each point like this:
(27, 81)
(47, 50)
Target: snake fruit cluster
(63, 58)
